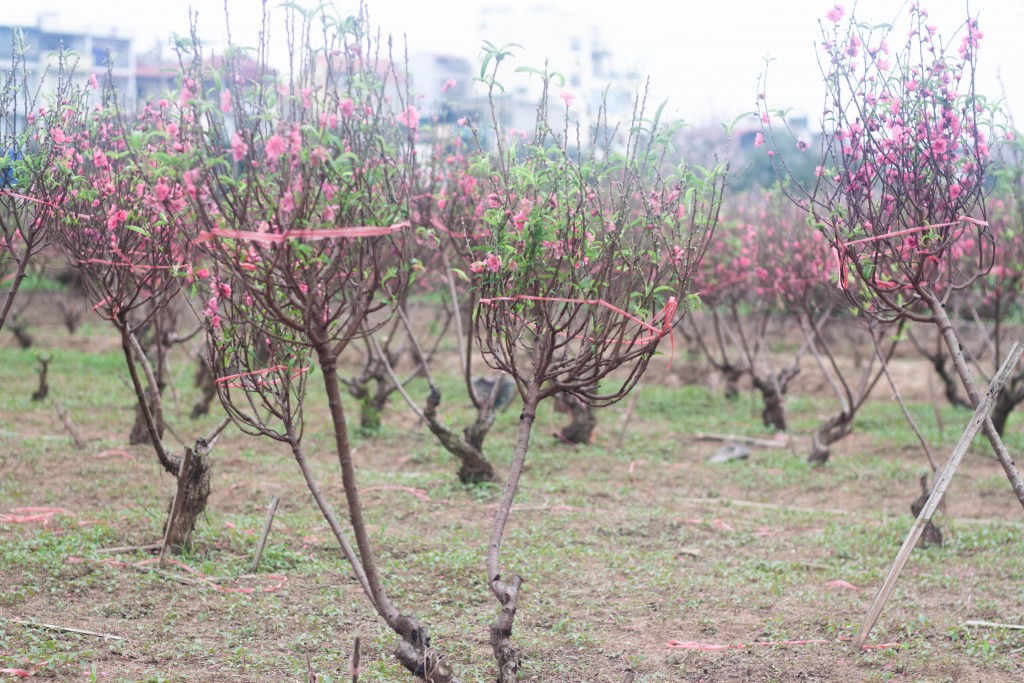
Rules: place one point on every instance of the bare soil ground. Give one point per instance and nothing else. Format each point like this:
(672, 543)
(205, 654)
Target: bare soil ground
(628, 545)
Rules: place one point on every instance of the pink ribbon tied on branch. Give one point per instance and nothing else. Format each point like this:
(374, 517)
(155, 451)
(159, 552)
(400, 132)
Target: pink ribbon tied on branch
(842, 254)
(668, 312)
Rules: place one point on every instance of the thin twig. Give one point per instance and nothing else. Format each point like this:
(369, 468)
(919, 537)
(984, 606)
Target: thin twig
(994, 624)
(271, 511)
(903, 406)
(129, 549)
(66, 629)
(65, 417)
(749, 440)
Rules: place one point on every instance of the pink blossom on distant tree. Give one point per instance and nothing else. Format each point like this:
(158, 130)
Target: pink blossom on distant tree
(238, 147)
(448, 85)
(835, 14)
(225, 100)
(568, 97)
(275, 147)
(410, 118)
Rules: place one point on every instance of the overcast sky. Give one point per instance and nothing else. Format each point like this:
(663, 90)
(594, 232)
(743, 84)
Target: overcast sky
(703, 55)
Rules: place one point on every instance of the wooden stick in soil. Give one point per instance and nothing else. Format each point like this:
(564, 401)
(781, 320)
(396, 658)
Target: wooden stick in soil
(184, 472)
(65, 629)
(979, 418)
(353, 663)
(129, 549)
(65, 417)
(994, 624)
(271, 511)
(749, 440)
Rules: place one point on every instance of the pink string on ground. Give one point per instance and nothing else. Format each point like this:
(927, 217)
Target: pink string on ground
(22, 673)
(31, 515)
(279, 237)
(840, 249)
(419, 493)
(710, 647)
(116, 452)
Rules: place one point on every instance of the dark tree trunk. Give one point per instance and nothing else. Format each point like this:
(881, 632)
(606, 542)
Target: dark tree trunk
(140, 431)
(193, 480)
(21, 333)
(372, 404)
(773, 395)
(774, 413)
(581, 428)
(829, 432)
(204, 380)
(193, 492)
(931, 535)
(950, 383)
(44, 387)
(732, 377)
(1006, 402)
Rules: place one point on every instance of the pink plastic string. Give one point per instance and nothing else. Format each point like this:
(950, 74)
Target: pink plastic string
(27, 198)
(238, 385)
(279, 237)
(668, 312)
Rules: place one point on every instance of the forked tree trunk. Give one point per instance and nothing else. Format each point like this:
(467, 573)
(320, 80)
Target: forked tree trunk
(414, 651)
(195, 489)
(474, 468)
(193, 492)
(774, 413)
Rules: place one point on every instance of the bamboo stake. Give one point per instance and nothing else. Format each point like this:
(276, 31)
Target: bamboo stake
(271, 511)
(977, 420)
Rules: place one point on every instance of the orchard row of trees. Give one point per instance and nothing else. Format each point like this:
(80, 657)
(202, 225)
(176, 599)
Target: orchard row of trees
(307, 216)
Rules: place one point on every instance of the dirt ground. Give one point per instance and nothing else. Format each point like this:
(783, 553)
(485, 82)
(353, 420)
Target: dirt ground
(638, 554)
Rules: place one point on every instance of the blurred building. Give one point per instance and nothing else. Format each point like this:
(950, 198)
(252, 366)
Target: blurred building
(92, 53)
